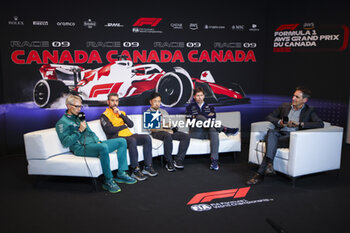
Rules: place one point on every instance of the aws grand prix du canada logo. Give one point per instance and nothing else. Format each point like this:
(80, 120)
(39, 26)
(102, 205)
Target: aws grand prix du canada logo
(311, 37)
(203, 201)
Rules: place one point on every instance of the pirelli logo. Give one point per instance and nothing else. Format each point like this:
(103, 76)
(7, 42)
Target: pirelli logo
(147, 21)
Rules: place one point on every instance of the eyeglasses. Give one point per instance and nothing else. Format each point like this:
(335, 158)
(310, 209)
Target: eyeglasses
(77, 106)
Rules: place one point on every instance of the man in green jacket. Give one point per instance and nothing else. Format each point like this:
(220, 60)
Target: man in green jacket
(82, 141)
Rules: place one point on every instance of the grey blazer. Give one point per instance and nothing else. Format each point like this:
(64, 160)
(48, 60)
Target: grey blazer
(308, 116)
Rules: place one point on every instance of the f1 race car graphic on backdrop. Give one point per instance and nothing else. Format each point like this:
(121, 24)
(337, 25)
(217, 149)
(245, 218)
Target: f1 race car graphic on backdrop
(133, 83)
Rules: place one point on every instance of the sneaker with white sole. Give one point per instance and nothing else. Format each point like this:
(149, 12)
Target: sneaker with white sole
(148, 170)
(178, 164)
(214, 165)
(170, 166)
(137, 174)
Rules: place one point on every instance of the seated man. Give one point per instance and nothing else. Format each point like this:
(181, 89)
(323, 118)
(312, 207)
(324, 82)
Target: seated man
(77, 135)
(115, 124)
(201, 111)
(167, 135)
(287, 118)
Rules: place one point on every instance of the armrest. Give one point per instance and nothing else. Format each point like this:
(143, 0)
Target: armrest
(42, 144)
(327, 129)
(314, 150)
(258, 132)
(326, 124)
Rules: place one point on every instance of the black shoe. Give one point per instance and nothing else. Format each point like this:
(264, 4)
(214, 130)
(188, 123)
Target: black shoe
(148, 170)
(230, 131)
(256, 179)
(137, 174)
(269, 170)
(170, 166)
(178, 164)
(214, 165)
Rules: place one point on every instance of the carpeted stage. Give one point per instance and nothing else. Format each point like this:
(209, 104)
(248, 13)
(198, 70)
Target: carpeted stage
(318, 203)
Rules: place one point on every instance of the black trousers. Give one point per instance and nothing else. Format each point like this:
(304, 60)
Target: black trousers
(135, 140)
(276, 138)
(168, 138)
(211, 133)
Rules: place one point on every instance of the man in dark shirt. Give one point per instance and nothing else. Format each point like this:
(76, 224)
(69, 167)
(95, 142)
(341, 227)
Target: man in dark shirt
(201, 111)
(115, 124)
(287, 118)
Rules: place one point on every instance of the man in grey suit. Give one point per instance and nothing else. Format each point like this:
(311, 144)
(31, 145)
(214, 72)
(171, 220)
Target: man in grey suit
(287, 118)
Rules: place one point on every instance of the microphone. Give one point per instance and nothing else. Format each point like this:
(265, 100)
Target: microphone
(81, 116)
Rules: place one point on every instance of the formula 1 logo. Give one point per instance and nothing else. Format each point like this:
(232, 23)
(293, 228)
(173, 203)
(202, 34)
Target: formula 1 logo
(147, 21)
(290, 27)
(203, 201)
(207, 197)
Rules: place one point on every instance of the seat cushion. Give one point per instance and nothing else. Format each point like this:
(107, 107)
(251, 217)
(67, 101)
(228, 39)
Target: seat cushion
(68, 164)
(47, 156)
(227, 144)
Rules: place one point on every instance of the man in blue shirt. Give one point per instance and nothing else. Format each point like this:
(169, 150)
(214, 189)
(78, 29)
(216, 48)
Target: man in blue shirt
(201, 111)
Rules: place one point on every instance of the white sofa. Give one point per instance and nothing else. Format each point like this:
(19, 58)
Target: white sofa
(310, 151)
(46, 155)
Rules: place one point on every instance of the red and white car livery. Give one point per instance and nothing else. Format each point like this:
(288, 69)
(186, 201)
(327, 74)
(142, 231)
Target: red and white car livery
(133, 83)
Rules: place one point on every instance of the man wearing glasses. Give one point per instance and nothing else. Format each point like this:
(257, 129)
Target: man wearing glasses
(82, 141)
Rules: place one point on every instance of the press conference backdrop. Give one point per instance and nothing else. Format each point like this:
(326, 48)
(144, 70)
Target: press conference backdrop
(248, 57)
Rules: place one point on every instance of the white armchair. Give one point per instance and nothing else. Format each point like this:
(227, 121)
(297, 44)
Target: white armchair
(310, 151)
